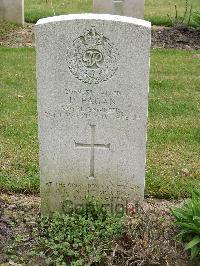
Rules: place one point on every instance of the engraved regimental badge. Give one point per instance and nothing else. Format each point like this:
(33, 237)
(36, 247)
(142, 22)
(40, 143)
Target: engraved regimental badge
(93, 58)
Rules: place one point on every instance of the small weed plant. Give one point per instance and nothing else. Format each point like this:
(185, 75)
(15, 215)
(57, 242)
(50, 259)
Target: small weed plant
(196, 18)
(183, 20)
(188, 219)
(80, 237)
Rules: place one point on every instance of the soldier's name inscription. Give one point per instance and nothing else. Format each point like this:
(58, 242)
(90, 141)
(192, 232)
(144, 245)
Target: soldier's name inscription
(81, 103)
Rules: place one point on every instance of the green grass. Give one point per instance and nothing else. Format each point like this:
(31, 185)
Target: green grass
(174, 123)
(36, 9)
(18, 122)
(155, 10)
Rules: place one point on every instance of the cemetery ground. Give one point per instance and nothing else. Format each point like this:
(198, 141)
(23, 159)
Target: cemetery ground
(173, 133)
(172, 171)
(172, 158)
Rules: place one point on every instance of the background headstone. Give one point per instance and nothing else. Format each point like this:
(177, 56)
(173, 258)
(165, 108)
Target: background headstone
(92, 76)
(12, 10)
(130, 8)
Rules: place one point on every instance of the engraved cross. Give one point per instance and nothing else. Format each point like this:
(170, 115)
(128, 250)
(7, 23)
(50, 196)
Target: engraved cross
(92, 147)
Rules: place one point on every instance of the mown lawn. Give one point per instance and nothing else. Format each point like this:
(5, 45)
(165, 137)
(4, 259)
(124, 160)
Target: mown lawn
(155, 10)
(18, 122)
(36, 9)
(174, 123)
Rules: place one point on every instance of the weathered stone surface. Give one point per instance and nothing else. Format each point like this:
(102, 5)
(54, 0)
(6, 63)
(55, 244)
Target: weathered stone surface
(92, 75)
(130, 8)
(12, 10)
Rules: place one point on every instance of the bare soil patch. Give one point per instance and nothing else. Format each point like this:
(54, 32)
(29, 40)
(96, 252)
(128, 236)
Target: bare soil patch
(153, 243)
(162, 37)
(19, 37)
(176, 38)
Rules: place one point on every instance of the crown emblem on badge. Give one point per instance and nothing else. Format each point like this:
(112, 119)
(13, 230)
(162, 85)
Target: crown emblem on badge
(92, 37)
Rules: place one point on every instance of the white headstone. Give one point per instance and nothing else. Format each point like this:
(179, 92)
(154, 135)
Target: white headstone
(93, 78)
(12, 10)
(130, 8)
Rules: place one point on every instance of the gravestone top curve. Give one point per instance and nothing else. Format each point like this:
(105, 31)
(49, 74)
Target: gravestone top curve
(90, 16)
